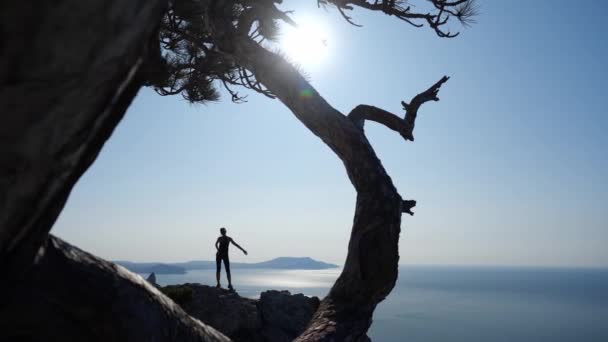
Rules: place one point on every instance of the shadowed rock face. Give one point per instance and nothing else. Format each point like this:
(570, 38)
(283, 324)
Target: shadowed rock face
(70, 295)
(277, 316)
(285, 315)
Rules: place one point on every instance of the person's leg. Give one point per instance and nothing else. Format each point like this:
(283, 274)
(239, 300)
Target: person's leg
(218, 268)
(227, 266)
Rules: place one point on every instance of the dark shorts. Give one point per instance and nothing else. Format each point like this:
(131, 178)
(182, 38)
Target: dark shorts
(218, 262)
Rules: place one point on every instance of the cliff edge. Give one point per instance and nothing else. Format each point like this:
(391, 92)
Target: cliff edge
(278, 316)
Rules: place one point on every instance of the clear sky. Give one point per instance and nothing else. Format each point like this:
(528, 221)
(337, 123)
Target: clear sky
(510, 167)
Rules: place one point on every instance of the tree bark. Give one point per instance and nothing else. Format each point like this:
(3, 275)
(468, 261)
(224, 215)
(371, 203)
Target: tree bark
(66, 78)
(71, 295)
(370, 270)
(68, 72)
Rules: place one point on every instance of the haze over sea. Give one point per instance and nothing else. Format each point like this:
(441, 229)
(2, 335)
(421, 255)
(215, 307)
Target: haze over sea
(457, 303)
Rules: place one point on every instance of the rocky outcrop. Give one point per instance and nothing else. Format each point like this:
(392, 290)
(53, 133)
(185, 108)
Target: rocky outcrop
(277, 316)
(226, 311)
(152, 279)
(70, 295)
(285, 315)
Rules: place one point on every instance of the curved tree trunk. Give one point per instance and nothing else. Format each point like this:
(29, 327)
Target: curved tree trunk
(370, 271)
(66, 76)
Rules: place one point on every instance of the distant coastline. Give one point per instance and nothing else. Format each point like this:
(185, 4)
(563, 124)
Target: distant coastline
(282, 263)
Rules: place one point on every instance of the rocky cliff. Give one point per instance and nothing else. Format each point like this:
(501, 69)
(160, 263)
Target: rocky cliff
(277, 316)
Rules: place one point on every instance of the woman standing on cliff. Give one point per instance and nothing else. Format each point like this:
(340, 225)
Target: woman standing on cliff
(221, 245)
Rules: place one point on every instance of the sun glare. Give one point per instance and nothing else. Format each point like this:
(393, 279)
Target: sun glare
(305, 45)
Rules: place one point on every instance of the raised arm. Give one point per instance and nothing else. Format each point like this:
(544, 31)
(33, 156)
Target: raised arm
(237, 245)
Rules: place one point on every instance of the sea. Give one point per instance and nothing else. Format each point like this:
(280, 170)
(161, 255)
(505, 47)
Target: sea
(449, 303)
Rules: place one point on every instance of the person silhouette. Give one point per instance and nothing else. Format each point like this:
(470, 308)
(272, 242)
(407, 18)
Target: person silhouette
(221, 245)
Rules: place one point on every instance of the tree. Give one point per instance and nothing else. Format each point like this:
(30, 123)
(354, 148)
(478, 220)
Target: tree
(198, 45)
(203, 42)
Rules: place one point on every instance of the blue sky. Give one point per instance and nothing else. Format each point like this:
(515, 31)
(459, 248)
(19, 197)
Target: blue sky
(508, 168)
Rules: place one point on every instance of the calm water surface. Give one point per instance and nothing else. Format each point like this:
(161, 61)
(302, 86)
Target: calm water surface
(459, 303)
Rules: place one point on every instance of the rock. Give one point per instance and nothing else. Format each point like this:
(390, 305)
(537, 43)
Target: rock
(152, 279)
(224, 310)
(277, 316)
(69, 295)
(285, 315)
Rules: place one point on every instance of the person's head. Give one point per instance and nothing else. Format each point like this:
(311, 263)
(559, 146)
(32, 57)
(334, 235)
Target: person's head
(223, 231)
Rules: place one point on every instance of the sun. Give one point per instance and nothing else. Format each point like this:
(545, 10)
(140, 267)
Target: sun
(305, 45)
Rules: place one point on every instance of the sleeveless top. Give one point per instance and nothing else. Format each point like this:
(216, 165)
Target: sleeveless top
(224, 243)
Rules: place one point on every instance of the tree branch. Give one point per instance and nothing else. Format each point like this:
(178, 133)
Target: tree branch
(407, 205)
(365, 112)
(404, 126)
(411, 109)
(463, 10)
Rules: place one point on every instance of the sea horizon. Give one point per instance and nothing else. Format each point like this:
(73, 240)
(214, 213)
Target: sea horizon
(340, 265)
(459, 303)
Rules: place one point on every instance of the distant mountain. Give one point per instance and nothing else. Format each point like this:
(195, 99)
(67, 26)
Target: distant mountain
(290, 263)
(282, 263)
(196, 264)
(149, 267)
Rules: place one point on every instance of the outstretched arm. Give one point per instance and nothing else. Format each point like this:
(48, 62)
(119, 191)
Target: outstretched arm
(237, 245)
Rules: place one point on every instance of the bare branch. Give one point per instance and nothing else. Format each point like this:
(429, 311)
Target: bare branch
(407, 205)
(365, 112)
(235, 97)
(346, 17)
(411, 109)
(441, 11)
(404, 126)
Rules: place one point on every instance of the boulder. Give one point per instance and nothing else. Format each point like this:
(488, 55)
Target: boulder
(235, 316)
(285, 315)
(69, 295)
(278, 316)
